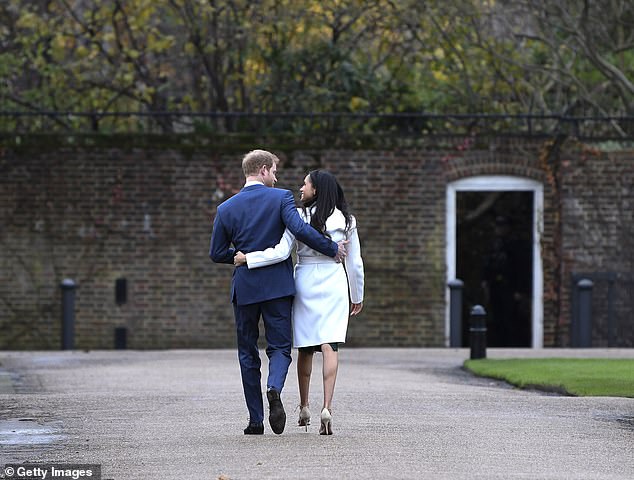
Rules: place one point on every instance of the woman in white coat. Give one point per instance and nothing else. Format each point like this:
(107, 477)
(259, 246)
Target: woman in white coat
(327, 294)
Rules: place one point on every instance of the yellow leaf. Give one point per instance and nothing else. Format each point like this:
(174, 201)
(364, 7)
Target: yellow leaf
(440, 76)
(357, 103)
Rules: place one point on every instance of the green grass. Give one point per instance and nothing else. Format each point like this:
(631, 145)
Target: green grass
(573, 376)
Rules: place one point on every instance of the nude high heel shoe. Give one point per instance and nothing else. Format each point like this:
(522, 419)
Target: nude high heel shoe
(326, 422)
(304, 417)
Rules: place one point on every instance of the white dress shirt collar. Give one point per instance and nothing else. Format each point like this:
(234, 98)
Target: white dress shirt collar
(252, 182)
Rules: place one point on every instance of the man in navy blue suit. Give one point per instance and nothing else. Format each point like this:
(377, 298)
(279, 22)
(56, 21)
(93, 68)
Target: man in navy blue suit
(254, 219)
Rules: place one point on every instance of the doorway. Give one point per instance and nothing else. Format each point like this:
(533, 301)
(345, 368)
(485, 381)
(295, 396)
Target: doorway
(494, 260)
(493, 228)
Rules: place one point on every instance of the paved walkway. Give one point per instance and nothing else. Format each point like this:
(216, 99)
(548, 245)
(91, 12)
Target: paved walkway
(398, 413)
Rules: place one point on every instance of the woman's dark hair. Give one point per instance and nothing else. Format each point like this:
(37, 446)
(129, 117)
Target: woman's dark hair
(328, 195)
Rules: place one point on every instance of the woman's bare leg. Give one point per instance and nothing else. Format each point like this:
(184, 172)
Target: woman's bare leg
(304, 370)
(330, 366)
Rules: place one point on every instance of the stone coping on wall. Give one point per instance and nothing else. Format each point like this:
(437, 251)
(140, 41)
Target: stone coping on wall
(243, 142)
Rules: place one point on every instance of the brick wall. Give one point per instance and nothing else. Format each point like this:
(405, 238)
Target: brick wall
(598, 235)
(95, 212)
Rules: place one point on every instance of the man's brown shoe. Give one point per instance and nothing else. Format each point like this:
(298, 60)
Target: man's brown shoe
(277, 415)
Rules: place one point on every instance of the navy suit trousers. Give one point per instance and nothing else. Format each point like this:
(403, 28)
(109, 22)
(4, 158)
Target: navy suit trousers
(276, 314)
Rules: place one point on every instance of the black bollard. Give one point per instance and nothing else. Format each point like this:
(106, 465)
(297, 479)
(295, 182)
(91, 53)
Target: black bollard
(585, 313)
(478, 332)
(121, 297)
(120, 338)
(455, 313)
(68, 314)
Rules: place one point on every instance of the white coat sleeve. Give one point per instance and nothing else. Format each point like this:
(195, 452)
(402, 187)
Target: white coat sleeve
(354, 265)
(276, 254)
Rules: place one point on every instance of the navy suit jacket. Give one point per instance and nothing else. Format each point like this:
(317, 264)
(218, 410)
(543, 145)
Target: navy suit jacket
(254, 219)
